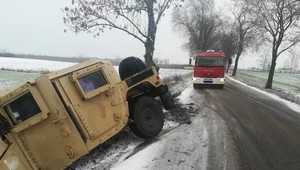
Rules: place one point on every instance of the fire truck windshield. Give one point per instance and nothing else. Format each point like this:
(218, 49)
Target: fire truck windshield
(209, 61)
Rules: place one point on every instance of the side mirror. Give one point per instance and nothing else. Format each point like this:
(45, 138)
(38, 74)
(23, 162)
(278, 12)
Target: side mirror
(4, 126)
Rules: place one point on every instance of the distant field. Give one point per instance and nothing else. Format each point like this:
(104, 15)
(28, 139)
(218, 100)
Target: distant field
(8, 78)
(286, 81)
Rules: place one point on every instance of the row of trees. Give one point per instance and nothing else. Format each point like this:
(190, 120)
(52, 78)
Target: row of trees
(252, 23)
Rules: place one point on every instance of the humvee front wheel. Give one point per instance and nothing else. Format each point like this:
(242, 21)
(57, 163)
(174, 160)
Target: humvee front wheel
(148, 117)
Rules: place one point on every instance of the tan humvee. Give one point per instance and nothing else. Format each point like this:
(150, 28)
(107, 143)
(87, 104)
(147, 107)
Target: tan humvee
(50, 122)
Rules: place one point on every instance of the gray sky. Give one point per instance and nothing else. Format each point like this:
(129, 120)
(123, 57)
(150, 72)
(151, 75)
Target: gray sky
(36, 27)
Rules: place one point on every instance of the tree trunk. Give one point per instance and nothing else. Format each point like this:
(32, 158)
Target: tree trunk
(272, 71)
(236, 62)
(228, 65)
(149, 49)
(150, 42)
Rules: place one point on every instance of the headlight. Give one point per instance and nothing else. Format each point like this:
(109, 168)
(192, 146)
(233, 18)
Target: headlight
(194, 79)
(222, 80)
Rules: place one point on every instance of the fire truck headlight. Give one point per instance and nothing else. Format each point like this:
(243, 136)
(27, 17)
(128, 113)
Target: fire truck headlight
(222, 80)
(194, 79)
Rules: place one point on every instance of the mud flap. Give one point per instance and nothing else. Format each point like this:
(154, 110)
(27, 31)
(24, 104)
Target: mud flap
(166, 97)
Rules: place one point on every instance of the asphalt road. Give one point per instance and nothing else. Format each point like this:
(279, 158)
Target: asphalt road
(265, 132)
(235, 128)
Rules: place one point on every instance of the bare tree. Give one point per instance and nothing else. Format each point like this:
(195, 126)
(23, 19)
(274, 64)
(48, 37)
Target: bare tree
(292, 62)
(198, 22)
(264, 62)
(138, 18)
(279, 20)
(245, 28)
(228, 43)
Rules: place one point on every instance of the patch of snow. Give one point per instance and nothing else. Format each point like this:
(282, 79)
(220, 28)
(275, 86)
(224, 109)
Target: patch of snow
(142, 159)
(291, 105)
(170, 124)
(185, 97)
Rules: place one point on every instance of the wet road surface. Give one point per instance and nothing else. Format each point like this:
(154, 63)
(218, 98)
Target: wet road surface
(265, 132)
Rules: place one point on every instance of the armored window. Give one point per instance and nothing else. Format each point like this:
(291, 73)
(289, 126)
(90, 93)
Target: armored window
(22, 108)
(92, 81)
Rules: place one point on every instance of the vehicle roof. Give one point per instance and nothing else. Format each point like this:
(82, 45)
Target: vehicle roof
(209, 54)
(76, 67)
(55, 74)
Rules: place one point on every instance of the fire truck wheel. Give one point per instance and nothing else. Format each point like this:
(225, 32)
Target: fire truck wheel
(147, 116)
(130, 66)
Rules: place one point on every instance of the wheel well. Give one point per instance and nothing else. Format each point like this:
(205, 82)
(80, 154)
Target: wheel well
(143, 89)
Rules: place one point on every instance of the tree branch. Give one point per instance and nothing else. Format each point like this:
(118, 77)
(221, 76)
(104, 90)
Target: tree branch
(294, 43)
(164, 7)
(135, 26)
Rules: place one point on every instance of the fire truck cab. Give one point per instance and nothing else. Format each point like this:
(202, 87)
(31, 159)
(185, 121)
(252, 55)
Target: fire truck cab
(209, 68)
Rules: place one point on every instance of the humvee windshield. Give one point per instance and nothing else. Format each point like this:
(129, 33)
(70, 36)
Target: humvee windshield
(22, 108)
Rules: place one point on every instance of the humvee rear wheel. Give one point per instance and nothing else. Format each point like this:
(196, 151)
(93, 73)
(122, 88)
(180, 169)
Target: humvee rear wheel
(148, 117)
(130, 66)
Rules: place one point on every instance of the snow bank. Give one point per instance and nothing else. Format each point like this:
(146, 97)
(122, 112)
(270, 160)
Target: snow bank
(291, 105)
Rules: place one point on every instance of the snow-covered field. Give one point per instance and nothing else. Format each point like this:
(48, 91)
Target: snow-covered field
(31, 64)
(9, 78)
(285, 85)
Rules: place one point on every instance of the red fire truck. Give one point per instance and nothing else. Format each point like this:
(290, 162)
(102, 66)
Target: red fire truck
(209, 68)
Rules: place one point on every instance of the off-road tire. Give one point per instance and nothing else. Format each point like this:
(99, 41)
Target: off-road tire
(167, 101)
(130, 66)
(147, 116)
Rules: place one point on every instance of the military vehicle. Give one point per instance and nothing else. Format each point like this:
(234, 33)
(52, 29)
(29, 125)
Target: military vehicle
(53, 120)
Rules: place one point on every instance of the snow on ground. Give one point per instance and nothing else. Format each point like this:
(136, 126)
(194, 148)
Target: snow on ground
(189, 146)
(8, 78)
(179, 149)
(185, 97)
(21, 64)
(142, 159)
(285, 85)
(291, 105)
(32, 64)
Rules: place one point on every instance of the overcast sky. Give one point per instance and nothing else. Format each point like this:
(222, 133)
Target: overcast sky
(36, 27)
